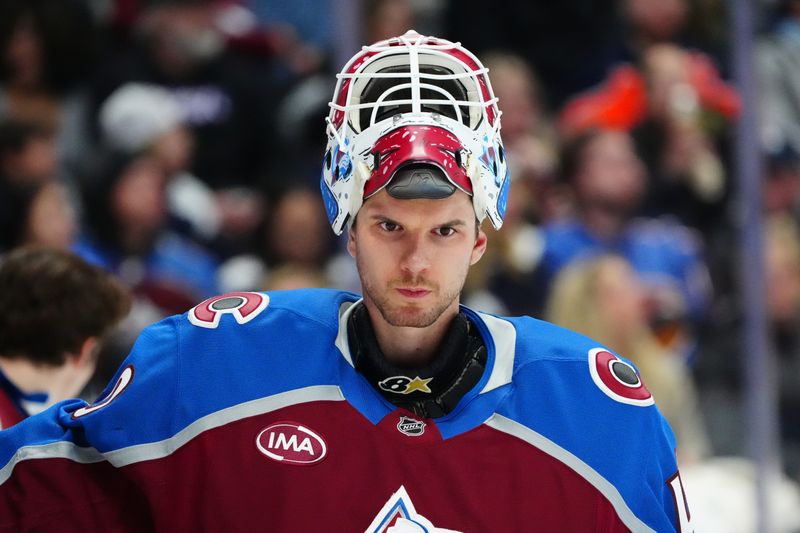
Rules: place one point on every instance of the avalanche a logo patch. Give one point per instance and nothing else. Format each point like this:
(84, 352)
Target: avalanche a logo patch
(244, 306)
(398, 515)
(409, 426)
(618, 379)
(292, 443)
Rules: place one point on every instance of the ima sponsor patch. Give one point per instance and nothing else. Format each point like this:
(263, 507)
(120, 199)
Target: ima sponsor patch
(618, 379)
(291, 443)
(244, 306)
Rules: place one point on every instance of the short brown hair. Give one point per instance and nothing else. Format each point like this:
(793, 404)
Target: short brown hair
(52, 301)
(572, 154)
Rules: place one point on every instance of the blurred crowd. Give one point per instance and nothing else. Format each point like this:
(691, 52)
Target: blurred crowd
(177, 144)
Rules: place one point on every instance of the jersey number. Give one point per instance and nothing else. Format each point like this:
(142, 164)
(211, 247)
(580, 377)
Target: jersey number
(681, 505)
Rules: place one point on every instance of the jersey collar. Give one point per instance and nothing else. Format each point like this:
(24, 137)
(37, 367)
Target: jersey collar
(499, 335)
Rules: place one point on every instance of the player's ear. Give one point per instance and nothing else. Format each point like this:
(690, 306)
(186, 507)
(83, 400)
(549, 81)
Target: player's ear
(351, 240)
(88, 352)
(479, 248)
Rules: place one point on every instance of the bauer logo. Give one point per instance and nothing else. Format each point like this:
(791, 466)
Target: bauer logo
(291, 443)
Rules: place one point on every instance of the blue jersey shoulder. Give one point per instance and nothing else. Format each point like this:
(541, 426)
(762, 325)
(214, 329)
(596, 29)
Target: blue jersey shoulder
(264, 343)
(591, 403)
(226, 313)
(226, 351)
(576, 370)
(539, 340)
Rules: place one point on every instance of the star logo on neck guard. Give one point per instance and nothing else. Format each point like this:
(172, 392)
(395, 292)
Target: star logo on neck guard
(405, 384)
(418, 384)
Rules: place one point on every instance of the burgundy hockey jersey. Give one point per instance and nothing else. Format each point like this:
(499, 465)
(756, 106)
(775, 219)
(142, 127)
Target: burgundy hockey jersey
(246, 414)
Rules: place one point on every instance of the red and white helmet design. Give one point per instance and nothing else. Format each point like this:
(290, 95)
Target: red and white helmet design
(413, 99)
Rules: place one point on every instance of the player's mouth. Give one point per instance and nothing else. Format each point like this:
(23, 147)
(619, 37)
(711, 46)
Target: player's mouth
(414, 293)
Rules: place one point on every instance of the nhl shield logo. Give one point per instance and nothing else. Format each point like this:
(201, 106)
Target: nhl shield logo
(409, 426)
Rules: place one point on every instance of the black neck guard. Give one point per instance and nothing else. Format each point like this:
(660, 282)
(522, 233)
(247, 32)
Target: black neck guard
(430, 391)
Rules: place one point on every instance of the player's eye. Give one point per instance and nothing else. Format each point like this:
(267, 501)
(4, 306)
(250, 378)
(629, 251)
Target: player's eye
(388, 225)
(445, 231)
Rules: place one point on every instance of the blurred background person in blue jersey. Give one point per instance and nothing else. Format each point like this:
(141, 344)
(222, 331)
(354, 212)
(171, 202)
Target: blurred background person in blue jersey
(57, 310)
(607, 180)
(128, 234)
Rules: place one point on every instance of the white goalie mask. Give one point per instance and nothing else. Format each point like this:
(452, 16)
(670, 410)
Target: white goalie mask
(413, 102)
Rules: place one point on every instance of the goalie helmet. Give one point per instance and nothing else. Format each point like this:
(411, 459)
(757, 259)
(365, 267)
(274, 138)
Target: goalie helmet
(418, 107)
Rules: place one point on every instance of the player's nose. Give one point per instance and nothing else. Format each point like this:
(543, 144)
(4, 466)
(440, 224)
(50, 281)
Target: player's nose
(416, 256)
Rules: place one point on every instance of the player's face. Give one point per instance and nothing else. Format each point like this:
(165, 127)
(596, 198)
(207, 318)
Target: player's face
(413, 256)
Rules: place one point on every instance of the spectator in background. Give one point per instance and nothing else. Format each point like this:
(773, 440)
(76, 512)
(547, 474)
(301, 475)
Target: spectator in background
(560, 40)
(47, 49)
(294, 29)
(127, 234)
(145, 118)
(681, 138)
(290, 276)
(783, 311)
(607, 180)
(719, 369)
(502, 281)
(35, 208)
(781, 185)
(384, 19)
(677, 108)
(528, 133)
(58, 309)
(299, 115)
(654, 21)
(295, 247)
(227, 103)
(519, 89)
(27, 152)
(296, 235)
(36, 214)
(603, 298)
(297, 230)
(778, 66)
(688, 24)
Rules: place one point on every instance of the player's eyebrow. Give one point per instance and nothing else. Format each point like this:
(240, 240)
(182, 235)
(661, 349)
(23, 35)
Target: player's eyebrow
(457, 222)
(382, 218)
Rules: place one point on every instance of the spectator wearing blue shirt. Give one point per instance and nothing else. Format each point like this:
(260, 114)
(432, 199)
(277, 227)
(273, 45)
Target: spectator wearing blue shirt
(127, 234)
(607, 180)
